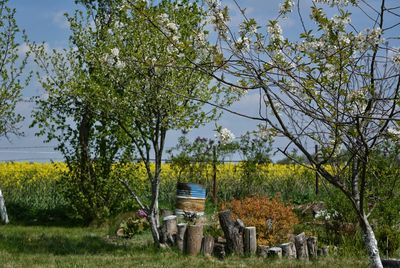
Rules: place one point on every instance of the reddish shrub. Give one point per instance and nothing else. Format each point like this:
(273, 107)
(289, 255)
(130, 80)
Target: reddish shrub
(273, 220)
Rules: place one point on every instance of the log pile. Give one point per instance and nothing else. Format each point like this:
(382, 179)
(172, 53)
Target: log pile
(238, 239)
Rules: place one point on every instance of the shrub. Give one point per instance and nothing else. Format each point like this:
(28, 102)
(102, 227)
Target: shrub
(273, 220)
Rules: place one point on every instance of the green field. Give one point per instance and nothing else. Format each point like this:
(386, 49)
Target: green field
(92, 247)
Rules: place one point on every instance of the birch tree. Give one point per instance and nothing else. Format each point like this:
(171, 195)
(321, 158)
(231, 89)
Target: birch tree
(336, 86)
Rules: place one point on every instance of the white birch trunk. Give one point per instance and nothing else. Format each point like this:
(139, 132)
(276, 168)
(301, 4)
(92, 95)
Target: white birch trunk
(371, 244)
(3, 210)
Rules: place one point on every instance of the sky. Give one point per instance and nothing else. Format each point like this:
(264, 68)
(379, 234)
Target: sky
(44, 21)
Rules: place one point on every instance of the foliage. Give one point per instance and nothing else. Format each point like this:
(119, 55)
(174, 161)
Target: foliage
(134, 226)
(11, 70)
(274, 221)
(88, 140)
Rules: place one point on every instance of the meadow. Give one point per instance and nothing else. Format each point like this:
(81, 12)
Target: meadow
(45, 230)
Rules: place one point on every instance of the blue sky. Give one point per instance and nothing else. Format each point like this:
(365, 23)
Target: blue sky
(44, 21)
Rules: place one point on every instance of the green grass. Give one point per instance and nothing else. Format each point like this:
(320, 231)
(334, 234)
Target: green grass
(23, 246)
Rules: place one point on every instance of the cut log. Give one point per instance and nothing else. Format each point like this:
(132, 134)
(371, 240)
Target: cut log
(233, 233)
(312, 247)
(3, 210)
(181, 237)
(391, 263)
(207, 245)
(262, 251)
(274, 252)
(250, 240)
(169, 230)
(219, 250)
(194, 236)
(300, 242)
(288, 250)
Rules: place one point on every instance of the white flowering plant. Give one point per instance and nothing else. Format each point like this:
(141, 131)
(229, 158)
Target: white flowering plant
(335, 85)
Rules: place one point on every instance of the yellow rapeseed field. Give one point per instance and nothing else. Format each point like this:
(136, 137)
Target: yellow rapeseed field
(21, 173)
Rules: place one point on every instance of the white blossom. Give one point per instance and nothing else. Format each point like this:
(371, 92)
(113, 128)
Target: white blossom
(243, 44)
(225, 136)
(333, 2)
(286, 6)
(275, 32)
(115, 52)
(396, 59)
(120, 64)
(394, 132)
(172, 27)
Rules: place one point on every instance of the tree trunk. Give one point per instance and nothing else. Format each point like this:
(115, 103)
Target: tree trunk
(207, 245)
(288, 250)
(194, 237)
(312, 246)
(169, 230)
(233, 233)
(153, 216)
(250, 240)
(300, 242)
(181, 237)
(3, 210)
(370, 243)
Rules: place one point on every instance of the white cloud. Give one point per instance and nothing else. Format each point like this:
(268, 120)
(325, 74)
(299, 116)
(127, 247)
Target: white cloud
(23, 49)
(60, 20)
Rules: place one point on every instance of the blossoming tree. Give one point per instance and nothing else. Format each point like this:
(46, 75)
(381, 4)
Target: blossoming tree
(11, 70)
(133, 71)
(336, 86)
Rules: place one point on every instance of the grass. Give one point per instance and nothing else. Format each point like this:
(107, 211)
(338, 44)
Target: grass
(24, 246)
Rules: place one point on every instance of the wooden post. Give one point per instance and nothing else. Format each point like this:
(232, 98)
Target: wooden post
(274, 252)
(288, 250)
(233, 233)
(194, 238)
(3, 210)
(250, 240)
(169, 230)
(207, 245)
(180, 237)
(215, 199)
(300, 242)
(312, 246)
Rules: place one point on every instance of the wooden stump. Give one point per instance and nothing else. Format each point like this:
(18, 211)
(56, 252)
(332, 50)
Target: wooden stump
(169, 230)
(300, 242)
(207, 245)
(233, 232)
(262, 251)
(250, 240)
(288, 250)
(392, 263)
(180, 237)
(274, 252)
(219, 250)
(312, 246)
(194, 236)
